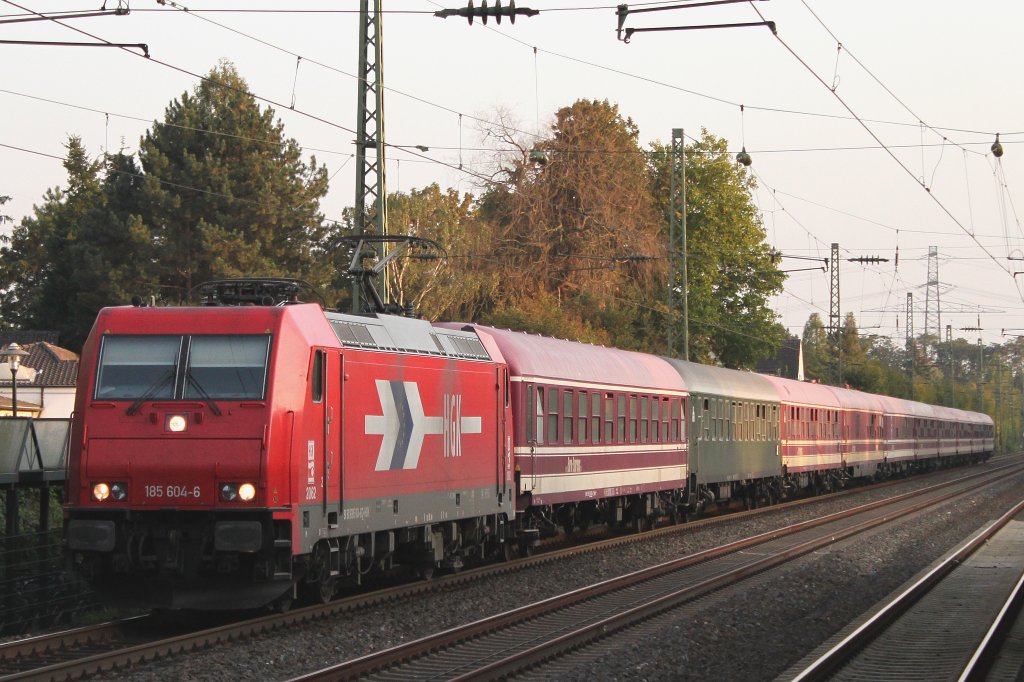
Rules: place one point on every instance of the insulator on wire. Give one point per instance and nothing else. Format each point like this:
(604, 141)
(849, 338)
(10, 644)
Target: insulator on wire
(471, 12)
(997, 147)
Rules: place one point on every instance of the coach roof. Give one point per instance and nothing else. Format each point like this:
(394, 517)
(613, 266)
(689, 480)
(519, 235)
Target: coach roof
(713, 380)
(542, 357)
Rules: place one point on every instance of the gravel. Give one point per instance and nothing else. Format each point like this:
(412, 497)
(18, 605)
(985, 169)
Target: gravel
(753, 633)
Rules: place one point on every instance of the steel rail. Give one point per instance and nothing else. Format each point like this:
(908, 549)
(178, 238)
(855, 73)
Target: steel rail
(392, 658)
(981, 661)
(230, 632)
(827, 664)
(88, 635)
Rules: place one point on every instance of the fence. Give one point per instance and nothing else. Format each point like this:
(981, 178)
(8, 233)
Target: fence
(35, 591)
(33, 451)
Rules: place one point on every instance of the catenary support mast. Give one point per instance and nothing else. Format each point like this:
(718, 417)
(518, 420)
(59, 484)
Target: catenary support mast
(371, 190)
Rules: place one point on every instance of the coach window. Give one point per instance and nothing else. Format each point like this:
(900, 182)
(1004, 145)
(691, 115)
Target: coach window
(676, 435)
(609, 418)
(666, 419)
(644, 418)
(715, 404)
(583, 406)
(620, 423)
(595, 417)
(705, 434)
(567, 416)
(632, 419)
(712, 432)
(552, 415)
(538, 412)
(656, 419)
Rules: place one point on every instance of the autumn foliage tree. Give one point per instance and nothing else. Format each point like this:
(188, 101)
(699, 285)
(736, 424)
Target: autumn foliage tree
(576, 228)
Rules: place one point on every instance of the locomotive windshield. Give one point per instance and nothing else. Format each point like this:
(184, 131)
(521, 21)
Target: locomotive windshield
(174, 367)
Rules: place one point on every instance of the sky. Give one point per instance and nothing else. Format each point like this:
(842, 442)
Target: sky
(869, 123)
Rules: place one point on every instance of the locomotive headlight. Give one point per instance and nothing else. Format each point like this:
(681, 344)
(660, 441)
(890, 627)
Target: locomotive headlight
(228, 492)
(247, 491)
(176, 423)
(119, 491)
(101, 491)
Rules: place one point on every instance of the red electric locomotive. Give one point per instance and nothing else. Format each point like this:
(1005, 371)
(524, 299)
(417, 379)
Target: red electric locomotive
(222, 455)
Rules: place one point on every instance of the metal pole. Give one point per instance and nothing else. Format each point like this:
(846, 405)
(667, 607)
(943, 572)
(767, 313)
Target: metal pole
(678, 295)
(686, 276)
(371, 190)
(14, 391)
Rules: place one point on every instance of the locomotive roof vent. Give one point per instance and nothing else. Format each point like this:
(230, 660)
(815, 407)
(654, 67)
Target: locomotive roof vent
(252, 291)
(392, 333)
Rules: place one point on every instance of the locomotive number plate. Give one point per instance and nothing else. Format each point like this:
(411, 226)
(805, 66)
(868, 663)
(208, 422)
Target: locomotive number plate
(172, 491)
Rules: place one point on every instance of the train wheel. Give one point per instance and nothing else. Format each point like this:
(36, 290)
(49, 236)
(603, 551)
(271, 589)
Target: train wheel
(282, 604)
(326, 590)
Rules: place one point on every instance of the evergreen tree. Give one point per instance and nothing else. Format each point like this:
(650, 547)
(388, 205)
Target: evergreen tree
(226, 194)
(220, 192)
(37, 266)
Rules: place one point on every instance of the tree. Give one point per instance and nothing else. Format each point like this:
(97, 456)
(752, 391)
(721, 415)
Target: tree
(575, 226)
(226, 194)
(459, 286)
(4, 218)
(220, 192)
(816, 349)
(732, 271)
(82, 249)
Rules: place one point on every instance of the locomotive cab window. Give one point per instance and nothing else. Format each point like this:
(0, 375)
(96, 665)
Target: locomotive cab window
(163, 367)
(317, 383)
(136, 366)
(229, 367)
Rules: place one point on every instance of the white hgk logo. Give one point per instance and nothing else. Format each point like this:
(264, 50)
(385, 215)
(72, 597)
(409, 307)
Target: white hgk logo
(404, 425)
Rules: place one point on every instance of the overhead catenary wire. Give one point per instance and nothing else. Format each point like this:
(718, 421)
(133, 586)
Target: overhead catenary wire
(868, 129)
(435, 146)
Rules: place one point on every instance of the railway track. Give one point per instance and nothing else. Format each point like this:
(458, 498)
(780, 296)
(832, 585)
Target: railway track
(930, 627)
(512, 642)
(122, 644)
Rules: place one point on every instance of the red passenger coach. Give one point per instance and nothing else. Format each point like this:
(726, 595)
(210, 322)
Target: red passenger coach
(810, 437)
(225, 456)
(599, 432)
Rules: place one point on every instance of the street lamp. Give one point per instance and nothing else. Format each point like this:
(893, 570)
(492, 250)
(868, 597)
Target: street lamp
(13, 354)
